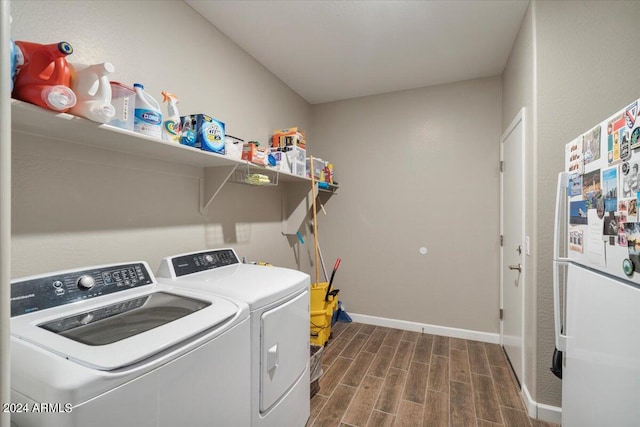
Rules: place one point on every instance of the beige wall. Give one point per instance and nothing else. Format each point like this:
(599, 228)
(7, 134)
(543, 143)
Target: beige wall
(582, 70)
(74, 206)
(587, 70)
(518, 91)
(417, 168)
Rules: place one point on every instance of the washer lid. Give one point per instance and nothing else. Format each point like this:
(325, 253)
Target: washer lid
(115, 322)
(111, 333)
(256, 285)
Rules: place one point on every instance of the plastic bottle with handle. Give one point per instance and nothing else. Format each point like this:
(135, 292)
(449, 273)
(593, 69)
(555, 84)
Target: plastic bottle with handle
(93, 91)
(44, 77)
(147, 117)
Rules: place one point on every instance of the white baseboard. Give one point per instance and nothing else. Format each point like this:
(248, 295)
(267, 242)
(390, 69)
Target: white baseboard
(550, 414)
(540, 411)
(532, 406)
(423, 327)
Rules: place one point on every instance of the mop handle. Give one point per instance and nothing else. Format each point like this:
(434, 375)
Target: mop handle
(336, 265)
(315, 220)
(333, 273)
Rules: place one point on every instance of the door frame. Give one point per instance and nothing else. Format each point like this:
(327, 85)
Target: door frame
(519, 118)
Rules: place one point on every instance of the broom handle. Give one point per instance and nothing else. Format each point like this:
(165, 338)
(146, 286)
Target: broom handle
(315, 219)
(324, 269)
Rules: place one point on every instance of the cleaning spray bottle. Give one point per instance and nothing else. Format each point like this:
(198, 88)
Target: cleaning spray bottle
(44, 77)
(171, 128)
(93, 91)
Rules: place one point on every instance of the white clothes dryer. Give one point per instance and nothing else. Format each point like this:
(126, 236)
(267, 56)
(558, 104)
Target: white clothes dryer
(278, 299)
(108, 346)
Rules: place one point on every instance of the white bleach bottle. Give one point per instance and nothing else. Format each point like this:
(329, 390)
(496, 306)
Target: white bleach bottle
(93, 91)
(147, 118)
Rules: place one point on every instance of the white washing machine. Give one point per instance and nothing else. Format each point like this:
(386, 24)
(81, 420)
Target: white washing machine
(279, 302)
(108, 346)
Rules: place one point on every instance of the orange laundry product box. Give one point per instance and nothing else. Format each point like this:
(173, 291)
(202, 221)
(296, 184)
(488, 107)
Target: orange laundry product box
(253, 153)
(248, 151)
(290, 137)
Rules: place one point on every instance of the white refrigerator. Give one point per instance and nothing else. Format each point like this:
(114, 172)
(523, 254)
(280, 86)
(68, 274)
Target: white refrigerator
(597, 274)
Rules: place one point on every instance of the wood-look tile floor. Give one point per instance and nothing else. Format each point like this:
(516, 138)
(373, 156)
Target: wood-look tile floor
(377, 376)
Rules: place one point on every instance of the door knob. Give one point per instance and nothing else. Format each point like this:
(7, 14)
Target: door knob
(516, 267)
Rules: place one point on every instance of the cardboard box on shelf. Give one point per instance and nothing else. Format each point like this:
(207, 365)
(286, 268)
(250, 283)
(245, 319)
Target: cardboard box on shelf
(290, 137)
(209, 132)
(253, 153)
(248, 151)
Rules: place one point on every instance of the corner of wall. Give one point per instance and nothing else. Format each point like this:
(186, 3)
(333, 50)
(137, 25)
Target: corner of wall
(539, 411)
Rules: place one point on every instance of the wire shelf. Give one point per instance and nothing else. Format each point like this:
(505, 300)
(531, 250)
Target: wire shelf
(254, 175)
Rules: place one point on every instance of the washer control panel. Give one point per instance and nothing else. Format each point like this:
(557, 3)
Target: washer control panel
(70, 286)
(201, 261)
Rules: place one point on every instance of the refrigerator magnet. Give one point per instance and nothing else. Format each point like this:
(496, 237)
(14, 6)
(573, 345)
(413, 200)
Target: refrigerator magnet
(625, 146)
(627, 267)
(635, 138)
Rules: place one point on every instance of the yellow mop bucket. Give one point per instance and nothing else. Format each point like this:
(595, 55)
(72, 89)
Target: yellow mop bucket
(321, 313)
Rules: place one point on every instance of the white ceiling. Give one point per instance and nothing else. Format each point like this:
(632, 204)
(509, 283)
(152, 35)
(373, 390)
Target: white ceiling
(333, 50)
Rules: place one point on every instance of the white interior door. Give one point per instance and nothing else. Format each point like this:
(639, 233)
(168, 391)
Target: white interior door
(513, 246)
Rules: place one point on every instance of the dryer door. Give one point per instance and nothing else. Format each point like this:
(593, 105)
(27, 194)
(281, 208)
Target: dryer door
(285, 348)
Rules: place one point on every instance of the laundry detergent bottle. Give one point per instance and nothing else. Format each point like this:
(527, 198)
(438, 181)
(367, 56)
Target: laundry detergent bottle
(93, 91)
(16, 61)
(16, 58)
(44, 77)
(147, 117)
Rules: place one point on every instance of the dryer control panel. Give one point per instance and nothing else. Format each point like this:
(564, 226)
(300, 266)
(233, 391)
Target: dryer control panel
(65, 287)
(201, 261)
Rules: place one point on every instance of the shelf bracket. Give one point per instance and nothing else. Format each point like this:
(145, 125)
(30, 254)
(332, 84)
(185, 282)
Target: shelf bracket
(212, 182)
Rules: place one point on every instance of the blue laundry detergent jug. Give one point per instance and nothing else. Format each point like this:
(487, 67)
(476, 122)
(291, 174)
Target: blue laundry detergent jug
(15, 55)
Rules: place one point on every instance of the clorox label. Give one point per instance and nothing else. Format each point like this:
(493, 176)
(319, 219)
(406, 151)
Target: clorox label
(147, 116)
(147, 122)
